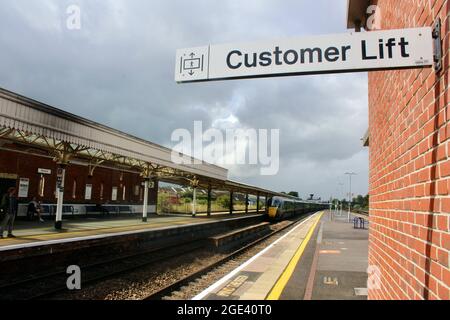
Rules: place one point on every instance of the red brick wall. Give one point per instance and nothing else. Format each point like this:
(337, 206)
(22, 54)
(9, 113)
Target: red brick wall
(409, 167)
(27, 165)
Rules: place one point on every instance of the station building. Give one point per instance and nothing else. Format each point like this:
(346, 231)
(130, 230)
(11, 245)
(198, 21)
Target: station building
(75, 166)
(409, 131)
(34, 174)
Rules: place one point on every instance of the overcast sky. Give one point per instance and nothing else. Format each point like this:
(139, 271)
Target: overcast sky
(118, 69)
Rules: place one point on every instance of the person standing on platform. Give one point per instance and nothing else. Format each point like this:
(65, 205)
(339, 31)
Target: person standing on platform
(9, 206)
(39, 211)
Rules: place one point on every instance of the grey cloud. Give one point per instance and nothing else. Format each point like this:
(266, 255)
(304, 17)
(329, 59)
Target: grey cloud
(118, 70)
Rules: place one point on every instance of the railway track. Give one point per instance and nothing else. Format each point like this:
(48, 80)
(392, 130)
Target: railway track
(361, 212)
(199, 276)
(50, 284)
(53, 284)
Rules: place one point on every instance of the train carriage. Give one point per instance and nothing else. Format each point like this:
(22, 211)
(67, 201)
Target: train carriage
(283, 208)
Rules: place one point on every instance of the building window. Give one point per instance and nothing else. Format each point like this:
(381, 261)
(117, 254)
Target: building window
(88, 192)
(123, 193)
(101, 191)
(137, 190)
(41, 187)
(74, 189)
(114, 194)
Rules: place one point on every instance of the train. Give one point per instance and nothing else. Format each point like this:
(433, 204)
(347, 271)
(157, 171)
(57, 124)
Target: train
(283, 208)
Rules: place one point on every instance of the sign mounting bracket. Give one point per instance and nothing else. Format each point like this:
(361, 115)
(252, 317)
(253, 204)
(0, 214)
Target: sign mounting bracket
(437, 41)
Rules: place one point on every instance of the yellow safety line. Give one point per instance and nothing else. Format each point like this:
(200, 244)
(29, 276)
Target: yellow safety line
(282, 281)
(92, 231)
(80, 233)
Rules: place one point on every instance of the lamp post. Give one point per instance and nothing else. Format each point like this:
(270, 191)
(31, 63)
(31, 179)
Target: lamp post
(341, 187)
(350, 174)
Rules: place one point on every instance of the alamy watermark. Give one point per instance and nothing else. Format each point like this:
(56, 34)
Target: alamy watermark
(229, 147)
(73, 21)
(374, 17)
(374, 278)
(74, 280)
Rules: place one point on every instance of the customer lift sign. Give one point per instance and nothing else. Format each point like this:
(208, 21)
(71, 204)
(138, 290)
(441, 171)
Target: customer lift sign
(350, 52)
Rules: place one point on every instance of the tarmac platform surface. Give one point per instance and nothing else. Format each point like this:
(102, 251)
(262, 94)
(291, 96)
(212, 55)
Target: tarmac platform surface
(322, 258)
(34, 232)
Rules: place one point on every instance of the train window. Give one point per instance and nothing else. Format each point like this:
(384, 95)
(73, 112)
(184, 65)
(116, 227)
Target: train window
(276, 203)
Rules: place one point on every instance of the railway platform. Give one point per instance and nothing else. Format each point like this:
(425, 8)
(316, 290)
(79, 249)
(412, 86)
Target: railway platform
(39, 250)
(322, 258)
(34, 233)
(83, 242)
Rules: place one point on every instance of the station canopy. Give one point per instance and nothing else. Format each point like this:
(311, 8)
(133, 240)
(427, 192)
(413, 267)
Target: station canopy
(27, 122)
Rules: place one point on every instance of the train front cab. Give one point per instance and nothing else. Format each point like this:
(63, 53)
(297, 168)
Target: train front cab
(275, 205)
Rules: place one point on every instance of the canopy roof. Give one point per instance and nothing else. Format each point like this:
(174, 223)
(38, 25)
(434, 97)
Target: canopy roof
(32, 123)
(40, 120)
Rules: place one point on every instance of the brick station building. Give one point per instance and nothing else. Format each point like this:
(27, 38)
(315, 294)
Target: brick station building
(77, 167)
(409, 132)
(107, 185)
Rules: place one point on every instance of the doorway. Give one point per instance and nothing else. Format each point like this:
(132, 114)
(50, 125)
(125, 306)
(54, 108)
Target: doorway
(5, 184)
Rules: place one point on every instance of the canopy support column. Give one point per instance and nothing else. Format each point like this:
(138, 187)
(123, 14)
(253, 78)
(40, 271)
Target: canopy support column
(246, 203)
(64, 152)
(208, 210)
(145, 204)
(257, 203)
(194, 202)
(231, 202)
(60, 193)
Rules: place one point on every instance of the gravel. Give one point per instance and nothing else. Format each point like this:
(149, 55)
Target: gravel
(137, 285)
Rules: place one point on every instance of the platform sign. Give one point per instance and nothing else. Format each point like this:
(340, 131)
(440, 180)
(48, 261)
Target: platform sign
(24, 185)
(151, 184)
(349, 52)
(44, 171)
(88, 192)
(114, 194)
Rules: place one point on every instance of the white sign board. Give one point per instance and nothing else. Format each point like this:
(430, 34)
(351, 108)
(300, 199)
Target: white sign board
(44, 171)
(88, 192)
(114, 194)
(151, 184)
(24, 185)
(350, 52)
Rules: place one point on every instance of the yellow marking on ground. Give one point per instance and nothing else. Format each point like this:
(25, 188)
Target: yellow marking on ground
(330, 252)
(87, 231)
(282, 281)
(330, 281)
(229, 289)
(57, 235)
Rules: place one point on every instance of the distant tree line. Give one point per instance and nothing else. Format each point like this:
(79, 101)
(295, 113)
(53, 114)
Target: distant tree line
(359, 202)
(292, 193)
